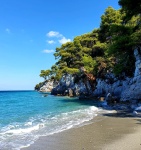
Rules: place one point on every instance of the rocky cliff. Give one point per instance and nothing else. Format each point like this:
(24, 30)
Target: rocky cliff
(67, 86)
(122, 89)
(110, 87)
(48, 85)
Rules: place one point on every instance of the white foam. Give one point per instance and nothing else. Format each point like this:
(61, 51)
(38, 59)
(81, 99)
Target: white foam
(22, 131)
(28, 123)
(21, 135)
(93, 108)
(74, 118)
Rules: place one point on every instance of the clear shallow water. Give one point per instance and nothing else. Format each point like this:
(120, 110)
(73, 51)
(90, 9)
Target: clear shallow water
(27, 115)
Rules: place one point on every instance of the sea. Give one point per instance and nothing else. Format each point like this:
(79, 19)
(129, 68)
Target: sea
(27, 115)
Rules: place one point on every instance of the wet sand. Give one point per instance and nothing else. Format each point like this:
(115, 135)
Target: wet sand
(108, 132)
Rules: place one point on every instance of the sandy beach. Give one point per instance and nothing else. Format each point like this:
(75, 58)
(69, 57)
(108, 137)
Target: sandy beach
(117, 131)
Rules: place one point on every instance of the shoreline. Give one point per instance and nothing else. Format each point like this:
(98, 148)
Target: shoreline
(107, 132)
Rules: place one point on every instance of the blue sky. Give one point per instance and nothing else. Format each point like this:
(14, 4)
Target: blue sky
(30, 30)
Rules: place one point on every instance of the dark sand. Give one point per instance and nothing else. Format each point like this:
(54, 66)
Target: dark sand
(108, 132)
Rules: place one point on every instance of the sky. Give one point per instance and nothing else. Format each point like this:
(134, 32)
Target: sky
(30, 31)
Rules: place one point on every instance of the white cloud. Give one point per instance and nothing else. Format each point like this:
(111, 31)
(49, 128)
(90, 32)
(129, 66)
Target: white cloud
(7, 30)
(50, 41)
(48, 51)
(54, 34)
(64, 40)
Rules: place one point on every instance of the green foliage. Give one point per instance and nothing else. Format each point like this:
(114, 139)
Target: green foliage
(99, 49)
(111, 17)
(110, 47)
(37, 86)
(136, 37)
(131, 7)
(70, 70)
(126, 66)
(90, 64)
(45, 74)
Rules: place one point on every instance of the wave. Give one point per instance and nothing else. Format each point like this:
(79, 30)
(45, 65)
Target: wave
(19, 135)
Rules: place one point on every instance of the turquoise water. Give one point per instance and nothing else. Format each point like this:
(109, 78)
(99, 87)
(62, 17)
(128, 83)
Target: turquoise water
(27, 115)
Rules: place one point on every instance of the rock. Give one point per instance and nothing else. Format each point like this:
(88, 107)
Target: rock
(134, 113)
(111, 87)
(128, 89)
(70, 93)
(104, 104)
(47, 86)
(109, 98)
(45, 95)
(137, 55)
(67, 86)
(137, 111)
(133, 90)
(102, 99)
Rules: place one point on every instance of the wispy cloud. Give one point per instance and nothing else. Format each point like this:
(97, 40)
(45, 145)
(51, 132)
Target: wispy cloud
(50, 41)
(54, 34)
(48, 51)
(7, 30)
(64, 40)
(60, 38)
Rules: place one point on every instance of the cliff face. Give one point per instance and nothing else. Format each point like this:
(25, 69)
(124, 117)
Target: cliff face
(67, 86)
(127, 89)
(133, 90)
(122, 89)
(48, 86)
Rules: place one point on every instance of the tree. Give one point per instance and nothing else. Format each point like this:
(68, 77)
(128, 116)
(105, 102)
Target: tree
(104, 48)
(45, 74)
(133, 16)
(131, 7)
(108, 19)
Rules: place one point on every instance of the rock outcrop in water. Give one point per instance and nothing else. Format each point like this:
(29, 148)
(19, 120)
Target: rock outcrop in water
(67, 86)
(111, 87)
(47, 86)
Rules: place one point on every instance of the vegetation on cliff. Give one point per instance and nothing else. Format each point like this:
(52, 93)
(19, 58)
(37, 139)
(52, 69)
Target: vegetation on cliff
(108, 48)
